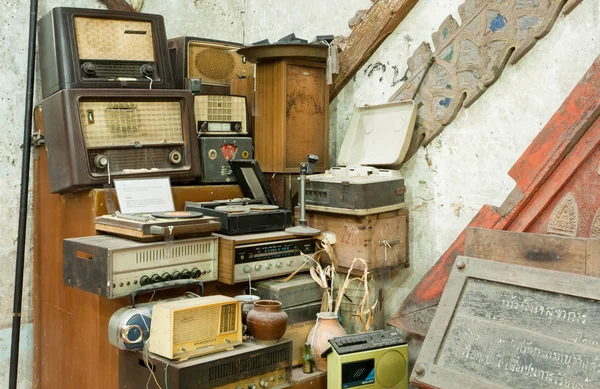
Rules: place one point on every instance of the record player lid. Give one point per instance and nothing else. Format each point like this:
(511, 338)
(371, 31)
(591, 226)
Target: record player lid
(252, 181)
(379, 135)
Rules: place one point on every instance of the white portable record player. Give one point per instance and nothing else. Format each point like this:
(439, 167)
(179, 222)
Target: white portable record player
(377, 140)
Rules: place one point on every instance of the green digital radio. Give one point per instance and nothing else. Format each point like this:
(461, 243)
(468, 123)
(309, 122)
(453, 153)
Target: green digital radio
(373, 360)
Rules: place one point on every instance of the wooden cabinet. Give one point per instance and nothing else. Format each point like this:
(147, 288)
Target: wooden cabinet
(292, 114)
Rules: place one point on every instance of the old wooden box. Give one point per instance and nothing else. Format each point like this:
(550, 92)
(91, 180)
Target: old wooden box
(291, 106)
(298, 334)
(509, 326)
(381, 239)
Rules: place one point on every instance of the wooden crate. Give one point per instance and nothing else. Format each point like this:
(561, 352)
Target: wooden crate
(363, 237)
(298, 333)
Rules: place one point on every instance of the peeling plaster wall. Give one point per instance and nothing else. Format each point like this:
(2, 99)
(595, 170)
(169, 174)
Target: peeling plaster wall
(220, 19)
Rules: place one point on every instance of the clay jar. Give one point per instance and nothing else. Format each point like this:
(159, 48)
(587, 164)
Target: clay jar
(327, 327)
(267, 322)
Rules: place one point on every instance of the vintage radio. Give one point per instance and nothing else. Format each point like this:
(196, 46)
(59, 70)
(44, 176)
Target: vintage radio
(257, 212)
(129, 327)
(377, 360)
(92, 48)
(213, 62)
(194, 327)
(221, 115)
(215, 154)
(378, 136)
(114, 267)
(301, 289)
(157, 226)
(260, 256)
(93, 135)
(249, 366)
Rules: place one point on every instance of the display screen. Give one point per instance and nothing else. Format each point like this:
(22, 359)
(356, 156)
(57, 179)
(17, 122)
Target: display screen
(358, 373)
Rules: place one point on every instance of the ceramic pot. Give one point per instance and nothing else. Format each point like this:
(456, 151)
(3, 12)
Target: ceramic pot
(327, 327)
(247, 302)
(267, 322)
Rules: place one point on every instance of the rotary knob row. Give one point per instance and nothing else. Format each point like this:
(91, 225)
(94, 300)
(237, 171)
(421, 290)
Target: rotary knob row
(101, 160)
(89, 69)
(262, 383)
(176, 275)
(268, 266)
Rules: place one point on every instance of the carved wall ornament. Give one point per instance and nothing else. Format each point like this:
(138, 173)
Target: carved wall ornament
(564, 219)
(595, 228)
(471, 57)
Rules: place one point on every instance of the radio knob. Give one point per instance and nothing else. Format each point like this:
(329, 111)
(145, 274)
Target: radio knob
(252, 386)
(167, 277)
(88, 68)
(204, 272)
(147, 69)
(175, 157)
(145, 280)
(247, 269)
(290, 262)
(237, 127)
(279, 264)
(177, 275)
(269, 266)
(264, 383)
(155, 278)
(258, 267)
(101, 161)
(196, 273)
(185, 274)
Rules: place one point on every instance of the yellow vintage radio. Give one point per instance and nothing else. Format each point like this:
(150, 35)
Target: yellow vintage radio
(193, 327)
(373, 360)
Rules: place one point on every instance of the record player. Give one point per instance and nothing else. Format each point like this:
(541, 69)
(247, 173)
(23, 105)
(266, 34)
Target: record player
(257, 212)
(377, 140)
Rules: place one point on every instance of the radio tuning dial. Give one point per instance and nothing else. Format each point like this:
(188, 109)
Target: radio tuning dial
(258, 267)
(290, 262)
(264, 383)
(155, 278)
(167, 277)
(269, 266)
(147, 70)
(279, 264)
(101, 161)
(145, 280)
(247, 269)
(177, 275)
(175, 157)
(185, 274)
(196, 273)
(88, 68)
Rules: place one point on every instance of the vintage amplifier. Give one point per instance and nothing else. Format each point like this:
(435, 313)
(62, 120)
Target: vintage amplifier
(378, 136)
(221, 115)
(257, 212)
(92, 48)
(301, 289)
(157, 226)
(94, 135)
(113, 267)
(194, 327)
(215, 154)
(263, 255)
(377, 360)
(249, 366)
(216, 63)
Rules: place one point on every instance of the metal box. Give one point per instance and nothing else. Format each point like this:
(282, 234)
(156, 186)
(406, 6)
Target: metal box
(301, 289)
(215, 154)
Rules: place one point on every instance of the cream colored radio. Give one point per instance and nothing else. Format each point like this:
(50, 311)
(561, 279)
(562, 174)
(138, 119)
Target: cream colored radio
(193, 327)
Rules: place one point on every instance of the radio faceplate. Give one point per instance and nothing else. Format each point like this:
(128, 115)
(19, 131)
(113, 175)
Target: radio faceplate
(114, 267)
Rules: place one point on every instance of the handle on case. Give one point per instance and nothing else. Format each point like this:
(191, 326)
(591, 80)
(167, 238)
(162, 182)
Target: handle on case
(164, 285)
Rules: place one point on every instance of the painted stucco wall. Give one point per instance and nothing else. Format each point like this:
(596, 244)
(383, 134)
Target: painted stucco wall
(447, 182)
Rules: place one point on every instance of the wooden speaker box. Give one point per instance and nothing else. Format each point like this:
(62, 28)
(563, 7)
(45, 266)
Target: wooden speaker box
(292, 105)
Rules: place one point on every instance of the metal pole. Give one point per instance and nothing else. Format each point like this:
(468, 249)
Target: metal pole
(20, 262)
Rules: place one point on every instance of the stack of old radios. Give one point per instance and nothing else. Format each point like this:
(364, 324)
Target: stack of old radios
(125, 107)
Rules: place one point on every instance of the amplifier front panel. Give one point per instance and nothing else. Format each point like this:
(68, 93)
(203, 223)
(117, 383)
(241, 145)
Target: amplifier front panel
(114, 40)
(216, 63)
(275, 379)
(259, 270)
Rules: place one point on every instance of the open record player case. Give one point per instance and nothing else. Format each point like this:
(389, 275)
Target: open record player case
(256, 212)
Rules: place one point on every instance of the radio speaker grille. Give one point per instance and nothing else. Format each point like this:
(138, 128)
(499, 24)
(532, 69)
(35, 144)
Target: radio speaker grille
(116, 40)
(127, 123)
(216, 64)
(228, 318)
(248, 365)
(217, 108)
(194, 323)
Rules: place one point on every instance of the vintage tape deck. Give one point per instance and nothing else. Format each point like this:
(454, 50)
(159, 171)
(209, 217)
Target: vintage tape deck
(92, 48)
(95, 135)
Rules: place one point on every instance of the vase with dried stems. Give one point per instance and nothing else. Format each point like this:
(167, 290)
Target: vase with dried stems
(328, 325)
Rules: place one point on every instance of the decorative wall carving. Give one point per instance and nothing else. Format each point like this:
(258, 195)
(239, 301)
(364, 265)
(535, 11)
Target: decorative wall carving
(564, 219)
(595, 228)
(470, 57)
